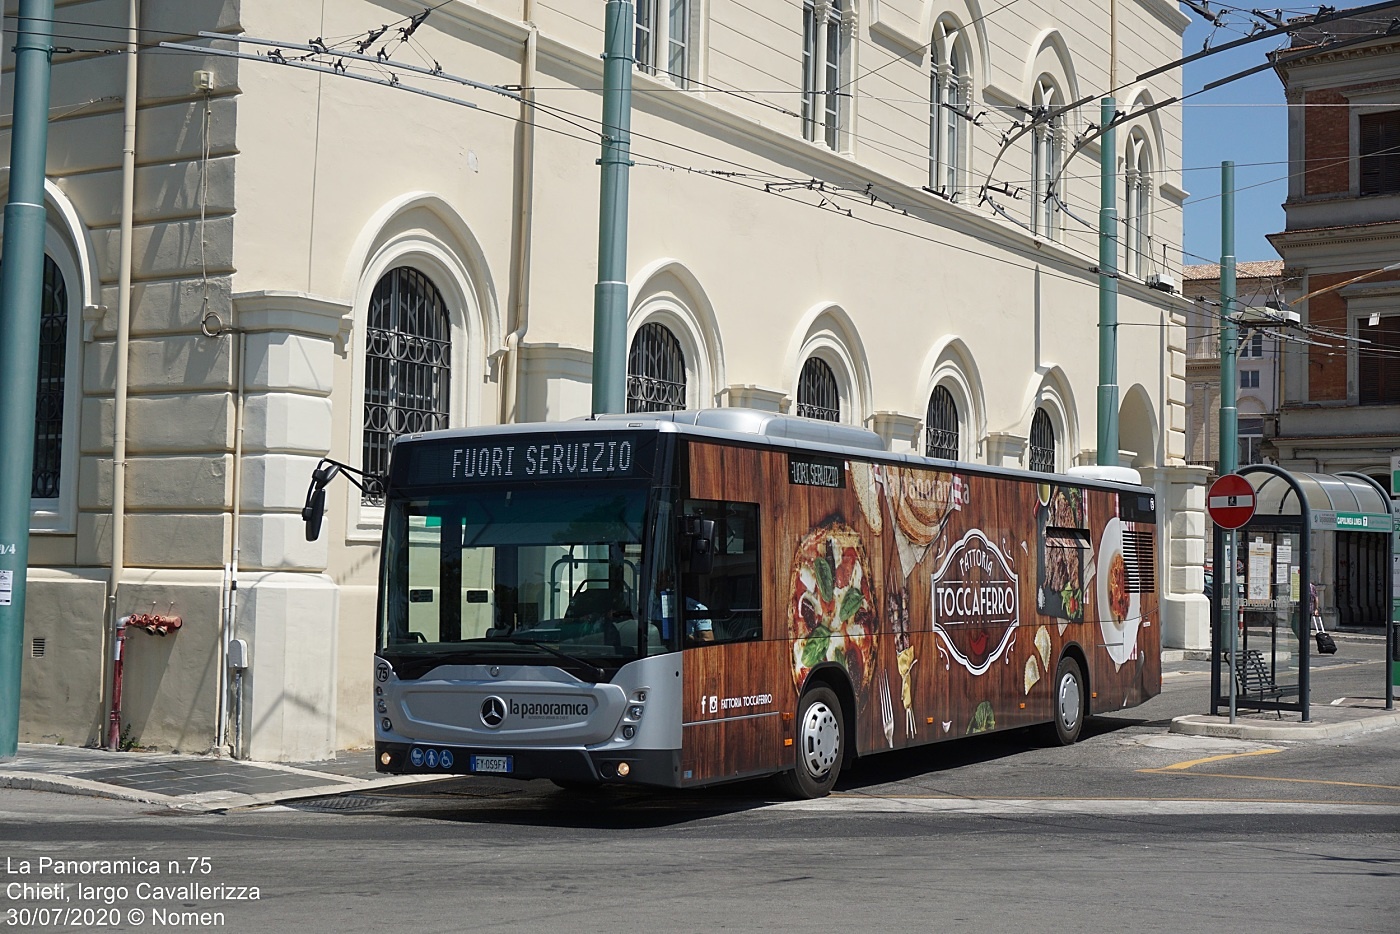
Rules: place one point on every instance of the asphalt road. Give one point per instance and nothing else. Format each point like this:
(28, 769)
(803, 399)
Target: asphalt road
(991, 834)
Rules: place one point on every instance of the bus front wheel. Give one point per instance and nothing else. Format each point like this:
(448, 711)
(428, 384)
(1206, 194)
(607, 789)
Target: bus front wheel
(820, 744)
(1069, 704)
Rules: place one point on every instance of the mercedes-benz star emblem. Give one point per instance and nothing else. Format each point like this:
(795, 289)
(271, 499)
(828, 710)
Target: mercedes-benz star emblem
(493, 712)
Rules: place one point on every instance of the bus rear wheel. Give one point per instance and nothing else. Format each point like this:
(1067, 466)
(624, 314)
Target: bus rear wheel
(820, 744)
(1070, 707)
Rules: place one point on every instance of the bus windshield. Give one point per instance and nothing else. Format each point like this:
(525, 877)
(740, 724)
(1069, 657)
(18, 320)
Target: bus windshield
(553, 575)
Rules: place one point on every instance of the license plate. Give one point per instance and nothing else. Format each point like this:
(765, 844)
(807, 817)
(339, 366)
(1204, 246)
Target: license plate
(492, 764)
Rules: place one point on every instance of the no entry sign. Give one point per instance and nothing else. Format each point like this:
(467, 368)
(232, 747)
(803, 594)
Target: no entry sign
(1230, 501)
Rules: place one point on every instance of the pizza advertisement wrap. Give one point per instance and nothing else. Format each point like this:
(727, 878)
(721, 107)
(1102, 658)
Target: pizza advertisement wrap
(940, 596)
(832, 608)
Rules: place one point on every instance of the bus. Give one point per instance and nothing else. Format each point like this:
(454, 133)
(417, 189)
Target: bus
(685, 598)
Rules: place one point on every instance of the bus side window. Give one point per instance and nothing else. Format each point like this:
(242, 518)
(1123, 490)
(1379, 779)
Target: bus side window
(726, 605)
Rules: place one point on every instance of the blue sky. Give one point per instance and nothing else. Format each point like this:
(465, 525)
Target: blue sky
(1245, 121)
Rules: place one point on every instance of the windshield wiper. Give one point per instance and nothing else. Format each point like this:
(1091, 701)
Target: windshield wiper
(517, 640)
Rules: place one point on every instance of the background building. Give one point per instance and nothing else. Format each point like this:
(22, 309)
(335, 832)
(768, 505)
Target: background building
(321, 263)
(1341, 396)
(1257, 362)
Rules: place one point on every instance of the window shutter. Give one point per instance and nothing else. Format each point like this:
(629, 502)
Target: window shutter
(1378, 363)
(1380, 152)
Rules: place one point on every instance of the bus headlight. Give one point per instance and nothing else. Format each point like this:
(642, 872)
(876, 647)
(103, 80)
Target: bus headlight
(386, 725)
(629, 731)
(634, 712)
(623, 770)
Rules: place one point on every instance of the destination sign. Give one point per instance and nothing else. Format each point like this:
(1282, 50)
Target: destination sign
(805, 470)
(564, 456)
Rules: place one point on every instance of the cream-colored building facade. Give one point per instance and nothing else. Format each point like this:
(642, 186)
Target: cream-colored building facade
(854, 182)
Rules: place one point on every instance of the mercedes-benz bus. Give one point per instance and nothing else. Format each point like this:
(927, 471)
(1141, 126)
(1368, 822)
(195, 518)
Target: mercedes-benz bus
(680, 599)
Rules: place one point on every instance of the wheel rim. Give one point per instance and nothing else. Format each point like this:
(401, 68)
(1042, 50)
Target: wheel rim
(1070, 701)
(821, 740)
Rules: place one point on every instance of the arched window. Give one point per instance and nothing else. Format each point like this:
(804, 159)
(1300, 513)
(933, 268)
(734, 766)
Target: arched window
(1042, 443)
(1045, 156)
(818, 395)
(948, 94)
(408, 350)
(1138, 165)
(823, 64)
(655, 371)
(941, 425)
(49, 399)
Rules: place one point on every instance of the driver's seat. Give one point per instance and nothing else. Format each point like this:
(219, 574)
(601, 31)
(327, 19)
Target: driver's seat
(593, 601)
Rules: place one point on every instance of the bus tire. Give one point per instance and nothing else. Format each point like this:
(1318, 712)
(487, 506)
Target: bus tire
(1068, 699)
(819, 746)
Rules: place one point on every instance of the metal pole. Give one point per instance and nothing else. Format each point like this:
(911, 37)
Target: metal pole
(1233, 621)
(1108, 286)
(1229, 424)
(1229, 415)
(610, 294)
(21, 294)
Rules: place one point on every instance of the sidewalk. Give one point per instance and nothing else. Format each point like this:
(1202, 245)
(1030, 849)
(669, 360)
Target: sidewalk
(1343, 717)
(190, 783)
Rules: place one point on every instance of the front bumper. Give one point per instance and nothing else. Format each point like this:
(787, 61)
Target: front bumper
(645, 766)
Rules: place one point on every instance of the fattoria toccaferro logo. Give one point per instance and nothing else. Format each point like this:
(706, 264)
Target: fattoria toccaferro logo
(976, 602)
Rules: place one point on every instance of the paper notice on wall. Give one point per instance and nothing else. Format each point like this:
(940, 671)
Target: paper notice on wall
(1261, 555)
(1283, 557)
(1295, 585)
(7, 584)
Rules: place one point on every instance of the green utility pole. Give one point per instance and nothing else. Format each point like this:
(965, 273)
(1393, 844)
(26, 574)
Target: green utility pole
(1108, 285)
(21, 291)
(610, 294)
(1229, 422)
(1229, 415)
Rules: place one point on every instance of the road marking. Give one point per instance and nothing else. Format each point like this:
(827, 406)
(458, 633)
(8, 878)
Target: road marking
(1191, 763)
(1194, 762)
(1272, 778)
(907, 804)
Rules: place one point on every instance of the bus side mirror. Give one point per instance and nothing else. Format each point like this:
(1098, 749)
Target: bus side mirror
(315, 509)
(697, 544)
(313, 512)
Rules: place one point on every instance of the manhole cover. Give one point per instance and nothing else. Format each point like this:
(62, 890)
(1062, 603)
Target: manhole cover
(339, 803)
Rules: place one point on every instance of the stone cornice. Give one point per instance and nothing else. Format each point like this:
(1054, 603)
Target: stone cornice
(294, 313)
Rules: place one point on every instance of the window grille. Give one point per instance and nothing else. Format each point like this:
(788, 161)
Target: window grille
(818, 396)
(53, 362)
(655, 371)
(941, 425)
(408, 350)
(1042, 443)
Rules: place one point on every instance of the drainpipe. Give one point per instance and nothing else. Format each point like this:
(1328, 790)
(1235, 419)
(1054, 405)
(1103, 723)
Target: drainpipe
(525, 171)
(230, 614)
(122, 351)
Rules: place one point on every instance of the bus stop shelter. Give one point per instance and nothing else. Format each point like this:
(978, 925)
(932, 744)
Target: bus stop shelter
(1277, 556)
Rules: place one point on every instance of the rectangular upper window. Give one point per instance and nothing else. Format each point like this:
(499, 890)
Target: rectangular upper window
(1378, 362)
(1379, 152)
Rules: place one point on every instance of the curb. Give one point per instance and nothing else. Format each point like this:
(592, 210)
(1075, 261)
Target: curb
(1220, 727)
(63, 785)
(211, 802)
